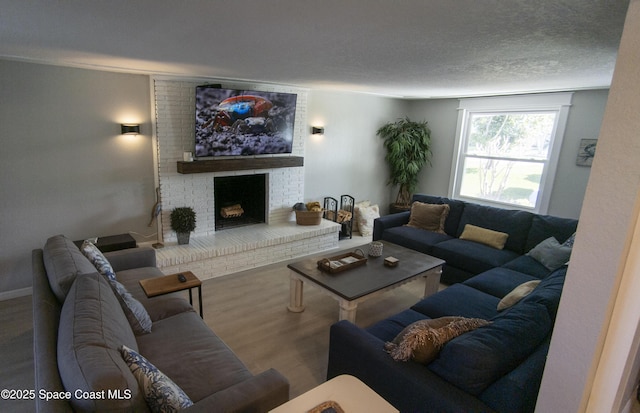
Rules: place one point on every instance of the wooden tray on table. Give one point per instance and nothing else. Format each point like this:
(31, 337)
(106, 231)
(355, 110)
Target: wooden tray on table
(343, 262)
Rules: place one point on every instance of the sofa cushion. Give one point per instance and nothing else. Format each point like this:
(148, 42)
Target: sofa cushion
(549, 291)
(92, 328)
(512, 222)
(551, 253)
(498, 281)
(517, 391)
(471, 256)
(429, 217)
(160, 392)
(458, 300)
(414, 238)
(201, 365)
(422, 340)
(390, 327)
(545, 226)
(474, 360)
(494, 239)
(63, 262)
(517, 294)
(527, 265)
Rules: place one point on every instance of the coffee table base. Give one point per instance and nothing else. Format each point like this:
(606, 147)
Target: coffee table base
(348, 307)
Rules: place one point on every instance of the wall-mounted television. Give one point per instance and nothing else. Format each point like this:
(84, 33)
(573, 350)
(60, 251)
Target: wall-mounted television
(232, 122)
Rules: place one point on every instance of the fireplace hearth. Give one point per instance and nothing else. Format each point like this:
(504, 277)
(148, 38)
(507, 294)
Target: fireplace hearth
(239, 200)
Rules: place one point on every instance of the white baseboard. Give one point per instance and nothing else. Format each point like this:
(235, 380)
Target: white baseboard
(22, 292)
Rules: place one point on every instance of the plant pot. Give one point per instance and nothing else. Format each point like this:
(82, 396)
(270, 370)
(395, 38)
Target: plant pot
(395, 208)
(183, 238)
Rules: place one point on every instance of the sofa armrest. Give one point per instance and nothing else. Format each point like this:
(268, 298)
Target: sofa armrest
(46, 317)
(408, 386)
(389, 221)
(260, 393)
(131, 258)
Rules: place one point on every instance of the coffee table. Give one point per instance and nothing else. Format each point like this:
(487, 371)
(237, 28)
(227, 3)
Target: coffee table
(358, 284)
(349, 392)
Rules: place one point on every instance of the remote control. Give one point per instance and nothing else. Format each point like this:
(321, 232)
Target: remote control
(182, 278)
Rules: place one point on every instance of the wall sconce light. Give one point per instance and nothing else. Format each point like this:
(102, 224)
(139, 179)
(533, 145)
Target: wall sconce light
(317, 130)
(130, 129)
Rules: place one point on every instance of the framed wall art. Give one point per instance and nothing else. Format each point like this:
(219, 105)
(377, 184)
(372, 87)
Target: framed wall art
(586, 152)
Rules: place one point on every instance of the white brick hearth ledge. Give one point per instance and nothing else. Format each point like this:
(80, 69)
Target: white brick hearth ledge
(243, 248)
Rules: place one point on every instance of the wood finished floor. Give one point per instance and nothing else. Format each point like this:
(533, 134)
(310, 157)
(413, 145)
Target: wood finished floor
(248, 311)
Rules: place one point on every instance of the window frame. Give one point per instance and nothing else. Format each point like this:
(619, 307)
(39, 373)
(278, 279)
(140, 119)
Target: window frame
(546, 102)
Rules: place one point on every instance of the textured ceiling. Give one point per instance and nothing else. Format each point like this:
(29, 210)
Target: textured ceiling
(405, 48)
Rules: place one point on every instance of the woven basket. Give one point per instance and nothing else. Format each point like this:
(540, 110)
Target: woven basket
(308, 217)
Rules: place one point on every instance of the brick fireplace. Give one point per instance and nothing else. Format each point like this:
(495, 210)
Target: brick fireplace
(213, 252)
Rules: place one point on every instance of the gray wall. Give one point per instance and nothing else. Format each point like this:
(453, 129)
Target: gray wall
(65, 169)
(349, 158)
(63, 166)
(585, 117)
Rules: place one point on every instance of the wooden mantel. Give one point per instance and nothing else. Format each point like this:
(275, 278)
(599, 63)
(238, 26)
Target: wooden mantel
(239, 164)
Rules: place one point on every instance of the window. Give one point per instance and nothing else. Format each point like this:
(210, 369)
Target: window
(507, 149)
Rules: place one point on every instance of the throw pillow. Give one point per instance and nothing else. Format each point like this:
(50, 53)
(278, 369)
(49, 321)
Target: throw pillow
(356, 210)
(551, 253)
(517, 294)
(569, 242)
(421, 341)
(367, 216)
(160, 392)
(98, 260)
(136, 313)
(430, 217)
(484, 236)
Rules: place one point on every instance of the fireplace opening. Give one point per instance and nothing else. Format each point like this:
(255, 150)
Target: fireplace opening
(239, 200)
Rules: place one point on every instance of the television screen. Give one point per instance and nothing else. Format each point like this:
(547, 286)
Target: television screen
(232, 122)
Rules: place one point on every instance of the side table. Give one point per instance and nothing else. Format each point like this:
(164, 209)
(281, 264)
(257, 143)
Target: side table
(351, 394)
(112, 242)
(170, 284)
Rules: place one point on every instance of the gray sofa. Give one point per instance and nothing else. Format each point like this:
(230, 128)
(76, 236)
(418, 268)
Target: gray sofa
(80, 324)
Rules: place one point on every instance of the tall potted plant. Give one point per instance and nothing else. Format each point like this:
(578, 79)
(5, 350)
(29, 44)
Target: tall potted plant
(408, 146)
(183, 221)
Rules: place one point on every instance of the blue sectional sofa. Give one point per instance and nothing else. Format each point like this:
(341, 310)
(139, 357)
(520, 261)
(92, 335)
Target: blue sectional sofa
(467, 258)
(493, 368)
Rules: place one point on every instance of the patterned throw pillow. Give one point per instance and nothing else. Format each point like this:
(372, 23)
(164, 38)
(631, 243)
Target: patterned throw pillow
(356, 209)
(365, 221)
(160, 392)
(569, 242)
(421, 341)
(136, 313)
(98, 260)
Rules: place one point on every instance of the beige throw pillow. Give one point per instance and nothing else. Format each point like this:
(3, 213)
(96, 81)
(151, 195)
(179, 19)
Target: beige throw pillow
(421, 341)
(367, 216)
(517, 294)
(484, 236)
(430, 217)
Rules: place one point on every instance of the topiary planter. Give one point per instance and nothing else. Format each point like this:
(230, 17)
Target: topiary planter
(183, 238)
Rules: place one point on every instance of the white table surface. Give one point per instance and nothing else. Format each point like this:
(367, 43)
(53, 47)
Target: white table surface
(351, 394)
